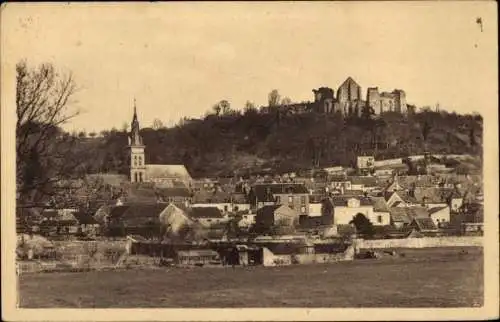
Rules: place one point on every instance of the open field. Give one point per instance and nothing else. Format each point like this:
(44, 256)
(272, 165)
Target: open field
(422, 278)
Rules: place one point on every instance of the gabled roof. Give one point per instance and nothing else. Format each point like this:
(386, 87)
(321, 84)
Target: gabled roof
(205, 212)
(399, 215)
(137, 210)
(425, 224)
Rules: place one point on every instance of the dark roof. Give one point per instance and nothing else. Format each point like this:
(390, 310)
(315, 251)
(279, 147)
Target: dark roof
(399, 215)
(267, 210)
(205, 196)
(367, 181)
(379, 204)
(173, 192)
(50, 213)
(84, 218)
(354, 192)
(425, 224)
(417, 212)
(239, 198)
(436, 209)
(205, 212)
(261, 190)
(345, 229)
(342, 200)
(137, 210)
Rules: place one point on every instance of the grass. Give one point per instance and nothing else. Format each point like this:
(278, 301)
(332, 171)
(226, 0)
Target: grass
(423, 278)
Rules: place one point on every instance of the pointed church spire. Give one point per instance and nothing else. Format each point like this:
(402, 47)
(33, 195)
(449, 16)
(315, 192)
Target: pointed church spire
(134, 128)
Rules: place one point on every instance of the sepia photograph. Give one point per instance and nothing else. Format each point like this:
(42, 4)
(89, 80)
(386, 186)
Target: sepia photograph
(270, 160)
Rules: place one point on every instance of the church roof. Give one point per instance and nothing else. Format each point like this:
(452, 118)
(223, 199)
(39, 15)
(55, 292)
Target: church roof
(167, 171)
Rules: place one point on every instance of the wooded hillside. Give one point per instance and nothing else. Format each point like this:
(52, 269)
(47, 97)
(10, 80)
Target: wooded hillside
(238, 143)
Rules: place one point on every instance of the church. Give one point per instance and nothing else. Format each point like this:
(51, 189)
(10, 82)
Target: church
(159, 174)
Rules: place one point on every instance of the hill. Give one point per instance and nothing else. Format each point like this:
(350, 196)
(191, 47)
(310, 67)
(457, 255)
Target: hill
(239, 143)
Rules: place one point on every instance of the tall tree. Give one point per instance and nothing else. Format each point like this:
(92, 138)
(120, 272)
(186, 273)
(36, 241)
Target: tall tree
(43, 100)
(274, 98)
(286, 101)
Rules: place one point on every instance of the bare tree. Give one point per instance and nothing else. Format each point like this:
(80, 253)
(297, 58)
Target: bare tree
(274, 98)
(43, 97)
(157, 124)
(286, 101)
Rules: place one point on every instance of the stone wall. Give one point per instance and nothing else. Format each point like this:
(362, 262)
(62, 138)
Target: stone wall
(425, 242)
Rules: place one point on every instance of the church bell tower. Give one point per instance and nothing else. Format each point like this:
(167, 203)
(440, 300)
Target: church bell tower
(137, 160)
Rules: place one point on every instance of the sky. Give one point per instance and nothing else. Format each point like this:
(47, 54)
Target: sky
(179, 59)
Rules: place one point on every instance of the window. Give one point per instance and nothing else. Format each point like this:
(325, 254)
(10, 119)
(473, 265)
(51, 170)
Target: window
(303, 200)
(303, 209)
(140, 176)
(135, 175)
(379, 219)
(225, 208)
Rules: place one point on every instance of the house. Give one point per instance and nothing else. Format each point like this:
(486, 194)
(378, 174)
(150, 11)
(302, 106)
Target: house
(455, 201)
(295, 196)
(59, 222)
(338, 170)
(271, 216)
(383, 173)
(400, 199)
(440, 215)
(423, 225)
(381, 213)
(429, 197)
(365, 162)
(151, 193)
(470, 219)
(175, 220)
(399, 217)
(365, 183)
(87, 223)
(239, 202)
(247, 220)
(207, 216)
(141, 219)
(346, 208)
(315, 209)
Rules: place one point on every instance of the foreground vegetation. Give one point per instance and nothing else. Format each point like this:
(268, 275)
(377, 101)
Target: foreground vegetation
(422, 278)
